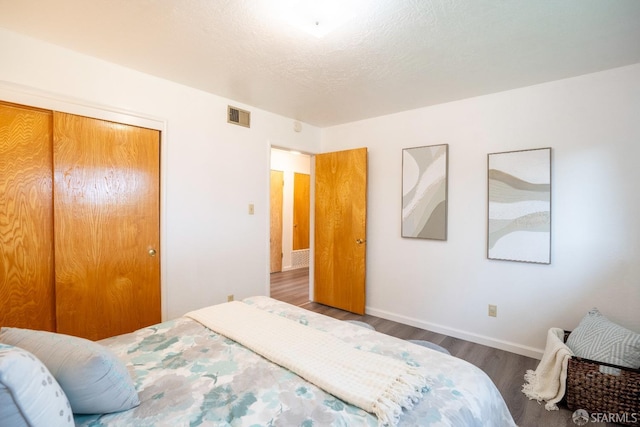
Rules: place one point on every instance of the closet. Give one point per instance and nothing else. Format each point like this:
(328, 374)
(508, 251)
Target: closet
(79, 223)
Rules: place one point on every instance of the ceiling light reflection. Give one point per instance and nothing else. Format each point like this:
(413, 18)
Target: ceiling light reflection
(316, 17)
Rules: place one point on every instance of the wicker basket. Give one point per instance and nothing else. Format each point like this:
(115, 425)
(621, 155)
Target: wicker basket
(597, 392)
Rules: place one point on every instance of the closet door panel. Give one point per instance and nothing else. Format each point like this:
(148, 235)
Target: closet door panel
(26, 222)
(106, 216)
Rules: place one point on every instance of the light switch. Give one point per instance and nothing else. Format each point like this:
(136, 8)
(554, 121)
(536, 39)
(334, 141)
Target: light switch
(251, 210)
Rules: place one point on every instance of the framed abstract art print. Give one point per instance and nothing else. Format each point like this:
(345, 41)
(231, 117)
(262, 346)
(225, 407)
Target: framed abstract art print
(424, 192)
(519, 206)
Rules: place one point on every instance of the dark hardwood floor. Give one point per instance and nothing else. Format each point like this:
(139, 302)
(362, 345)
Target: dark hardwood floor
(504, 368)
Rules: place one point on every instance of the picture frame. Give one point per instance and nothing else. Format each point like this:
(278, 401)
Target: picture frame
(425, 173)
(519, 206)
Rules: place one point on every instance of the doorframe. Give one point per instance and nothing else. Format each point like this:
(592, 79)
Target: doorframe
(276, 184)
(312, 222)
(34, 97)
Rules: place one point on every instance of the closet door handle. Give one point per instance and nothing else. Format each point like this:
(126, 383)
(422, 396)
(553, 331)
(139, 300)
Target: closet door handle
(152, 252)
(360, 241)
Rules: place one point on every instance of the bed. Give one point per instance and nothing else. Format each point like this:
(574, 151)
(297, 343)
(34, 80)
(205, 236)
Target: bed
(185, 374)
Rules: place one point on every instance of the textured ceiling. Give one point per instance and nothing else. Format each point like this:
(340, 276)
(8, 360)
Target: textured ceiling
(395, 55)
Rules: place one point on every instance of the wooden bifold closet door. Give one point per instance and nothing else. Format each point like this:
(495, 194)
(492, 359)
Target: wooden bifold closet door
(106, 221)
(26, 219)
(98, 215)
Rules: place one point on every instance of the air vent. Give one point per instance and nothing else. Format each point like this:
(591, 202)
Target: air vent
(238, 116)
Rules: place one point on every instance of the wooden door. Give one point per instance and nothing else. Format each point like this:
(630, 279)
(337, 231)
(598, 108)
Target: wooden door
(106, 218)
(275, 240)
(340, 229)
(26, 219)
(301, 199)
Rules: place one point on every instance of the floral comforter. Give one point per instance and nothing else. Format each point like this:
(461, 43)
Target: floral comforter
(187, 375)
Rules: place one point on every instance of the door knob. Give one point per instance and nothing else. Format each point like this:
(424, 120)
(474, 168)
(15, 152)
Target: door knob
(152, 252)
(360, 241)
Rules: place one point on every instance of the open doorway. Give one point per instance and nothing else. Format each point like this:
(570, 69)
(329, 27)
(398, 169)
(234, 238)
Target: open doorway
(290, 226)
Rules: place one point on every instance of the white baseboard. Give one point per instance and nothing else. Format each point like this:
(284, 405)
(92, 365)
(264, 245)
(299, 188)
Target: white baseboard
(290, 268)
(457, 333)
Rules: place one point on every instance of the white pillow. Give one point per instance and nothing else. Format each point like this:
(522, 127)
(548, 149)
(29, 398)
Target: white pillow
(93, 378)
(29, 395)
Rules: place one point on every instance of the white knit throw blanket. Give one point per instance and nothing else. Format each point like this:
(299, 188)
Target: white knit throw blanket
(547, 382)
(376, 383)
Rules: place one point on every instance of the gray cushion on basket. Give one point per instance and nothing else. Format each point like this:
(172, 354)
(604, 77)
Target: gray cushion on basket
(597, 338)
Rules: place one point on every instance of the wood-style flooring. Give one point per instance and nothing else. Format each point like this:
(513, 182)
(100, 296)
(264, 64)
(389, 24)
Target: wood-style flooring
(504, 368)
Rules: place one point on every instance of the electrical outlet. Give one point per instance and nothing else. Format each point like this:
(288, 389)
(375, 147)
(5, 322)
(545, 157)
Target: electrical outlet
(493, 310)
(229, 298)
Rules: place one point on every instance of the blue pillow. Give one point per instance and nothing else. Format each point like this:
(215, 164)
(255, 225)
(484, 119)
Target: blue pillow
(598, 338)
(29, 395)
(92, 377)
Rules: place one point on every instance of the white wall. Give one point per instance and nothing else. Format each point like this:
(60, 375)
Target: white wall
(211, 170)
(592, 123)
(289, 163)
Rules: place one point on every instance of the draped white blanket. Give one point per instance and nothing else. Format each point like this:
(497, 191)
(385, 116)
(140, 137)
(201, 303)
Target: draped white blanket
(376, 383)
(547, 382)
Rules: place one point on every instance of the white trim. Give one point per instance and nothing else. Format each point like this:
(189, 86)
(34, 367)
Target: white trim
(290, 268)
(273, 146)
(267, 197)
(33, 97)
(457, 333)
